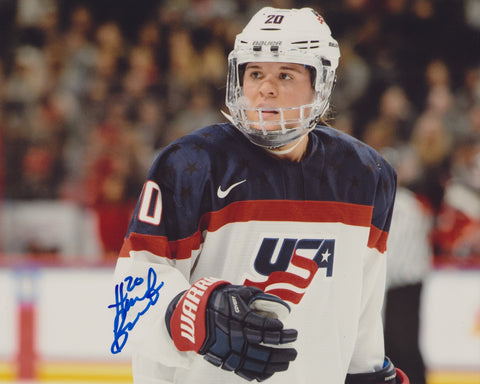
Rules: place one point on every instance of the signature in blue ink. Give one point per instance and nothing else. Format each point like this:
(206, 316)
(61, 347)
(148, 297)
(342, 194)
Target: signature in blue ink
(123, 304)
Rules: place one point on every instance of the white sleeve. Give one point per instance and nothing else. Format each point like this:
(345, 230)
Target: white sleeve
(148, 284)
(147, 371)
(369, 351)
(409, 249)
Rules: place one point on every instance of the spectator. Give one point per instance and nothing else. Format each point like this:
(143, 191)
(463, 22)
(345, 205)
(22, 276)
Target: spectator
(433, 144)
(200, 111)
(457, 234)
(352, 80)
(392, 125)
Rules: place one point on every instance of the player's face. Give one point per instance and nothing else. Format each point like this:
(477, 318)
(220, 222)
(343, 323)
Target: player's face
(276, 85)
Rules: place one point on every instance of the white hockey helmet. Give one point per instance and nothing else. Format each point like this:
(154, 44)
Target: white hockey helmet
(298, 36)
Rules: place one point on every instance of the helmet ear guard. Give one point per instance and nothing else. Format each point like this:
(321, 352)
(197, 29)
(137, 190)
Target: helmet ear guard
(298, 36)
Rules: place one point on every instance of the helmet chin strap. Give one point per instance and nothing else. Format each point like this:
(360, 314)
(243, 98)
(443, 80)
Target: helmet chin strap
(228, 117)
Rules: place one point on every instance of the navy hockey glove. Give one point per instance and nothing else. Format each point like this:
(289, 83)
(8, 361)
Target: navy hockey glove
(233, 326)
(388, 375)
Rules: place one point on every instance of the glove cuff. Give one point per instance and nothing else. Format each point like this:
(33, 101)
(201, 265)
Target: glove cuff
(171, 307)
(401, 377)
(387, 375)
(187, 323)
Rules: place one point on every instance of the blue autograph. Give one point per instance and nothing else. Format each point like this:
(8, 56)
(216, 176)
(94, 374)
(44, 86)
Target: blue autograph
(123, 304)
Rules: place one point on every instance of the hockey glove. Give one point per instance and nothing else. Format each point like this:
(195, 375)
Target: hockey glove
(388, 375)
(233, 326)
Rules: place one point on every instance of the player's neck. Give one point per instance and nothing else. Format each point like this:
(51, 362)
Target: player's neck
(292, 152)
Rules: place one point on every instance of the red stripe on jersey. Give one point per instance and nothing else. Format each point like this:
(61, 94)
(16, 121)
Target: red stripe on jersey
(139, 242)
(258, 210)
(159, 245)
(288, 210)
(377, 239)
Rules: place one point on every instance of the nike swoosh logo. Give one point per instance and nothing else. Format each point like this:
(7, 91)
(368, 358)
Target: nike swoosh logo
(222, 194)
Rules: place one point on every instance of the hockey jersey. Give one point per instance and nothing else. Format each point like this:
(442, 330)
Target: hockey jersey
(312, 232)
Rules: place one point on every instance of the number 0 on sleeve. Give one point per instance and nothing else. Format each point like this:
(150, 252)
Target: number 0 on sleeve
(151, 205)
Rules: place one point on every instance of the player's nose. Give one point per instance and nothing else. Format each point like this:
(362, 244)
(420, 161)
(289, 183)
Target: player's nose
(268, 87)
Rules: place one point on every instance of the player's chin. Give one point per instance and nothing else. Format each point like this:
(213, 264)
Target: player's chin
(265, 127)
(271, 126)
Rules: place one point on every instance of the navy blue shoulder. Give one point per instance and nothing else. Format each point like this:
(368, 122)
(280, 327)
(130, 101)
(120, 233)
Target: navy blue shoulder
(355, 173)
(339, 142)
(191, 155)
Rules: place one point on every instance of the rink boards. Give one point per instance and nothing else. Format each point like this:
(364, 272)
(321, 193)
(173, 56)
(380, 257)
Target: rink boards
(55, 325)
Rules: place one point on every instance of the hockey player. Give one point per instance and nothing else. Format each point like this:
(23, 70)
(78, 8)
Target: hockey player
(257, 248)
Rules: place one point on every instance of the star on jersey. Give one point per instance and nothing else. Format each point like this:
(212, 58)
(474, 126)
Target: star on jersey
(198, 147)
(325, 256)
(191, 168)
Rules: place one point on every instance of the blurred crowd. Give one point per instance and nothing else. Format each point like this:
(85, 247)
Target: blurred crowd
(91, 90)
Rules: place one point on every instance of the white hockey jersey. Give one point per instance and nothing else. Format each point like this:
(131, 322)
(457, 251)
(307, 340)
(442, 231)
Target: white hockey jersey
(313, 233)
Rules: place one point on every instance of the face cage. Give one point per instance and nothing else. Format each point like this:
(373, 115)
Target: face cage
(258, 130)
(291, 129)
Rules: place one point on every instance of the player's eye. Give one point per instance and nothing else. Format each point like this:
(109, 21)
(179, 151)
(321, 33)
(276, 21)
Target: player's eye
(285, 76)
(256, 75)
